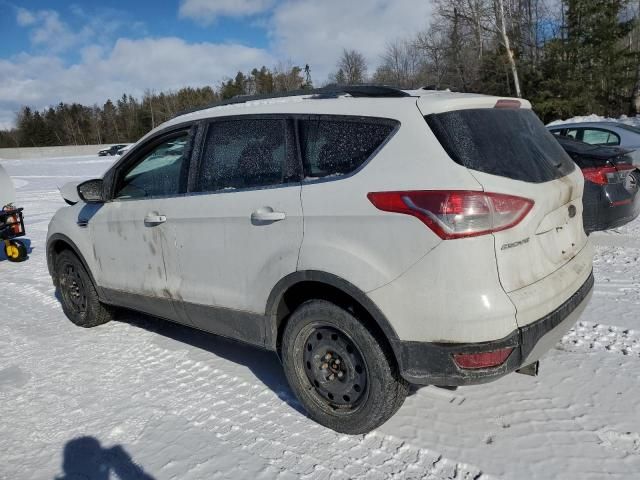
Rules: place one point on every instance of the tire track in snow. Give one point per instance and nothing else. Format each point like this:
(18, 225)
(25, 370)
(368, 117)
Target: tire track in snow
(588, 336)
(247, 415)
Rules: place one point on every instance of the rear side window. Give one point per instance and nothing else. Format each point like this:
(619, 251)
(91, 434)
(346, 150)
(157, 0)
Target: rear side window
(336, 147)
(508, 143)
(245, 153)
(597, 136)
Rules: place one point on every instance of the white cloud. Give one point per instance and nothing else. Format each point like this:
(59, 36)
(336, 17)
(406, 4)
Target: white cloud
(24, 17)
(313, 32)
(303, 31)
(207, 11)
(131, 66)
(48, 32)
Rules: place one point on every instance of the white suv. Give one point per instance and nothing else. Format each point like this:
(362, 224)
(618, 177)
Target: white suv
(372, 237)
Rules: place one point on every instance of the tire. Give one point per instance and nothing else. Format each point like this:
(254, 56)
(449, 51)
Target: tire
(343, 376)
(15, 251)
(78, 294)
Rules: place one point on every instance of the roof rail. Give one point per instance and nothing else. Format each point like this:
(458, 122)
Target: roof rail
(330, 91)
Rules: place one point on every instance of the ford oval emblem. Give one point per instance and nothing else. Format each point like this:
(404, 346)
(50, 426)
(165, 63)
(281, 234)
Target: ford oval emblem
(572, 211)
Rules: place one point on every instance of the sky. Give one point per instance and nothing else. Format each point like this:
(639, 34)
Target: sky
(56, 51)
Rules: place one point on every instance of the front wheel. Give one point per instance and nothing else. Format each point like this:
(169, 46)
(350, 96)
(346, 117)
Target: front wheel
(343, 376)
(78, 294)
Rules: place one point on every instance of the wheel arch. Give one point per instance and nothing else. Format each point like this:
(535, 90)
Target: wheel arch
(56, 244)
(298, 287)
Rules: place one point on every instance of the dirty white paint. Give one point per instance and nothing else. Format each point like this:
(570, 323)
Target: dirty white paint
(144, 398)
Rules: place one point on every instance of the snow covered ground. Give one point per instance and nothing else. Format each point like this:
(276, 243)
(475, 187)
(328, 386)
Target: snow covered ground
(140, 398)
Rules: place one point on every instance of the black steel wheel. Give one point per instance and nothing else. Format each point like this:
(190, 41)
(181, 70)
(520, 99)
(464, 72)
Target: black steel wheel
(77, 292)
(335, 367)
(72, 289)
(342, 373)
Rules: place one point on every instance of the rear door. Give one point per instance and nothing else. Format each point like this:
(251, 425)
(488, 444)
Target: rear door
(509, 151)
(239, 230)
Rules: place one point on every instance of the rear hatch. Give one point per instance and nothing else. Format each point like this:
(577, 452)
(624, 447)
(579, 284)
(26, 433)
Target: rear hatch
(509, 151)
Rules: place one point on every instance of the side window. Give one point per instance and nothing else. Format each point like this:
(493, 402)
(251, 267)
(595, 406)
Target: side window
(572, 133)
(243, 154)
(332, 148)
(557, 133)
(160, 172)
(595, 136)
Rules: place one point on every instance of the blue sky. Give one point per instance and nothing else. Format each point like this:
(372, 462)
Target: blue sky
(88, 51)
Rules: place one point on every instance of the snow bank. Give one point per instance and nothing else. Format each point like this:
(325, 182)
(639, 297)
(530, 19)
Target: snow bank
(633, 121)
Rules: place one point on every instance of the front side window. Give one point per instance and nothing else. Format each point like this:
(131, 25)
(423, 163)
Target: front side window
(335, 147)
(596, 136)
(161, 172)
(246, 153)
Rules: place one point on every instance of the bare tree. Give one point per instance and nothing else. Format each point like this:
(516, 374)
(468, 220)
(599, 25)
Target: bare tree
(502, 24)
(402, 65)
(287, 77)
(433, 45)
(353, 66)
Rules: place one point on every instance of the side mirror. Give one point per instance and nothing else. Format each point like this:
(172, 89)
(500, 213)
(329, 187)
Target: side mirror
(92, 191)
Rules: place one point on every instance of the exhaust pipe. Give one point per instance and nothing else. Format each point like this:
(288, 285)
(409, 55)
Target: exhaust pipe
(531, 369)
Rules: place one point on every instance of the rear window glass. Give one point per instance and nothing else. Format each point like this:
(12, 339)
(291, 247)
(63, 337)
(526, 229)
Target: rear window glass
(508, 143)
(629, 128)
(336, 147)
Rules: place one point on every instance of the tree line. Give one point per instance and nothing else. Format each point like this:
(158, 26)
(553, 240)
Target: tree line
(571, 57)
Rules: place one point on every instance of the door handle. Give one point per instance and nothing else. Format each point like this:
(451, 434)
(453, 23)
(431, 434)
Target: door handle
(267, 215)
(151, 219)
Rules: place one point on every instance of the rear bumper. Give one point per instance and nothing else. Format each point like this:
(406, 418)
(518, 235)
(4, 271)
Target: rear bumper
(425, 363)
(608, 206)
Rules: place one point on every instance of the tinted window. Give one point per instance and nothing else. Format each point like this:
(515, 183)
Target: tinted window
(572, 133)
(160, 172)
(596, 136)
(509, 143)
(243, 154)
(338, 147)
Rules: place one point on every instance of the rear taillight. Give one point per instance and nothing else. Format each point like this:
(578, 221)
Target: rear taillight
(456, 213)
(482, 360)
(607, 175)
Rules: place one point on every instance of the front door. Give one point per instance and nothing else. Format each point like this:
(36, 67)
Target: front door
(130, 232)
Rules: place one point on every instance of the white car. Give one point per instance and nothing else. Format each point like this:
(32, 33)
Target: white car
(372, 237)
(124, 149)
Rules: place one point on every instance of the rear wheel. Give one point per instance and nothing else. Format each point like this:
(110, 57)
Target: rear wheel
(15, 250)
(340, 372)
(78, 294)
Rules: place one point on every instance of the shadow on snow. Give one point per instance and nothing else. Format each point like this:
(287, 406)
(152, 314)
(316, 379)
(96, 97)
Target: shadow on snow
(84, 458)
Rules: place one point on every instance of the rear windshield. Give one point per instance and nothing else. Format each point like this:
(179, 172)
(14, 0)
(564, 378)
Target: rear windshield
(629, 128)
(510, 143)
